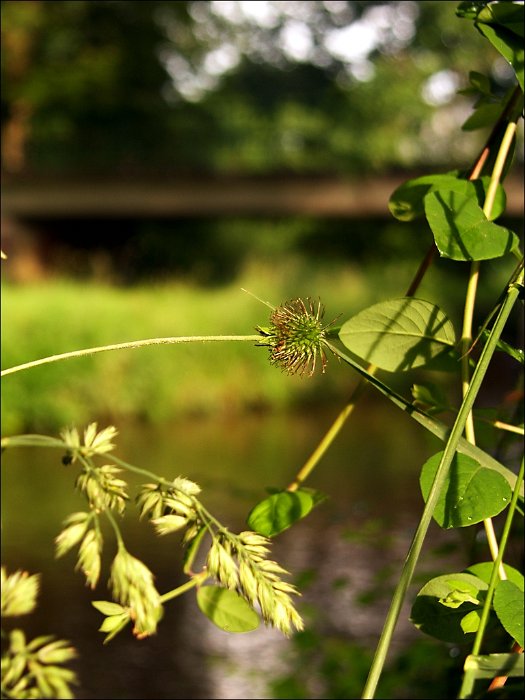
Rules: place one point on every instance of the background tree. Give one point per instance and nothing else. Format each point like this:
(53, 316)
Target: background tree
(132, 87)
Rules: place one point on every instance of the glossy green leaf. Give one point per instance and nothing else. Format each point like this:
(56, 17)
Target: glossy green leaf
(462, 231)
(227, 609)
(508, 605)
(508, 15)
(470, 621)
(398, 334)
(279, 511)
(432, 616)
(470, 494)
(407, 201)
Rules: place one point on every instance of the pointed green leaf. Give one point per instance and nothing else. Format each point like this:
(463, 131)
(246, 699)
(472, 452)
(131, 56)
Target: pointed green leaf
(192, 549)
(107, 607)
(470, 622)
(226, 609)
(485, 114)
(114, 623)
(471, 493)
(502, 24)
(502, 346)
(398, 334)
(508, 604)
(462, 231)
(480, 82)
(432, 617)
(279, 511)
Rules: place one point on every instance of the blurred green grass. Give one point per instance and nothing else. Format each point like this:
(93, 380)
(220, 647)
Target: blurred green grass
(161, 383)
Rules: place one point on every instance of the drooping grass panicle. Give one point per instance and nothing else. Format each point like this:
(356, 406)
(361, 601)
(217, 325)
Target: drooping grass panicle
(103, 488)
(18, 592)
(169, 506)
(35, 669)
(94, 443)
(132, 585)
(239, 562)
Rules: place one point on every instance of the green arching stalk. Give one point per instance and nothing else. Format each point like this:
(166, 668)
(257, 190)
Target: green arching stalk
(467, 683)
(435, 491)
(498, 562)
(327, 439)
(468, 313)
(118, 536)
(196, 580)
(129, 346)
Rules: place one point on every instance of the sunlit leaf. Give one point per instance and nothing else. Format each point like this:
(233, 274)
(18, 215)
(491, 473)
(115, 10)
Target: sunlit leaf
(279, 511)
(430, 615)
(398, 334)
(227, 609)
(483, 570)
(462, 231)
(470, 493)
(508, 605)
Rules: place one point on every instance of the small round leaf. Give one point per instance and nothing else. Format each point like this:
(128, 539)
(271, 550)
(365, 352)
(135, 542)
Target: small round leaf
(279, 511)
(227, 609)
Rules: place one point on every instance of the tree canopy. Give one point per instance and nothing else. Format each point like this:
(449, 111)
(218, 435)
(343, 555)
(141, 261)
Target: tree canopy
(127, 88)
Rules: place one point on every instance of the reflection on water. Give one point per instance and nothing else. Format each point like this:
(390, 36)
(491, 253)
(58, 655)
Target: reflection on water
(351, 547)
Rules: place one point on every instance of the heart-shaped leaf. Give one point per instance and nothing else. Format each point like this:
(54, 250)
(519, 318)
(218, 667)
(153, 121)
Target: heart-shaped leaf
(508, 604)
(407, 201)
(471, 493)
(433, 615)
(227, 609)
(279, 511)
(398, 334)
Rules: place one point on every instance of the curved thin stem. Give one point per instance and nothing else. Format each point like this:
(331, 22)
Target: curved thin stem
(194, 581)
(129, 346)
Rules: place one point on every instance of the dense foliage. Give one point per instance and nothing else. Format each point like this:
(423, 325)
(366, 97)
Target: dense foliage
(133, 87)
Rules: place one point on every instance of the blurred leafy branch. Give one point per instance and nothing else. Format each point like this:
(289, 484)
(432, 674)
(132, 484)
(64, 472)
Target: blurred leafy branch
(169, 86)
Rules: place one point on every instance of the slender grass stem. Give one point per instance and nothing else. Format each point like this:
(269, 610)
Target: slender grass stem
(130, 346)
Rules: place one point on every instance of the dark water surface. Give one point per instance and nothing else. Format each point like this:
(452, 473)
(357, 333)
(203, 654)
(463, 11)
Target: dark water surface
(351, 546)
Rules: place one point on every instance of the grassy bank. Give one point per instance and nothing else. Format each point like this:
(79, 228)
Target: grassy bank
(164, 382)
